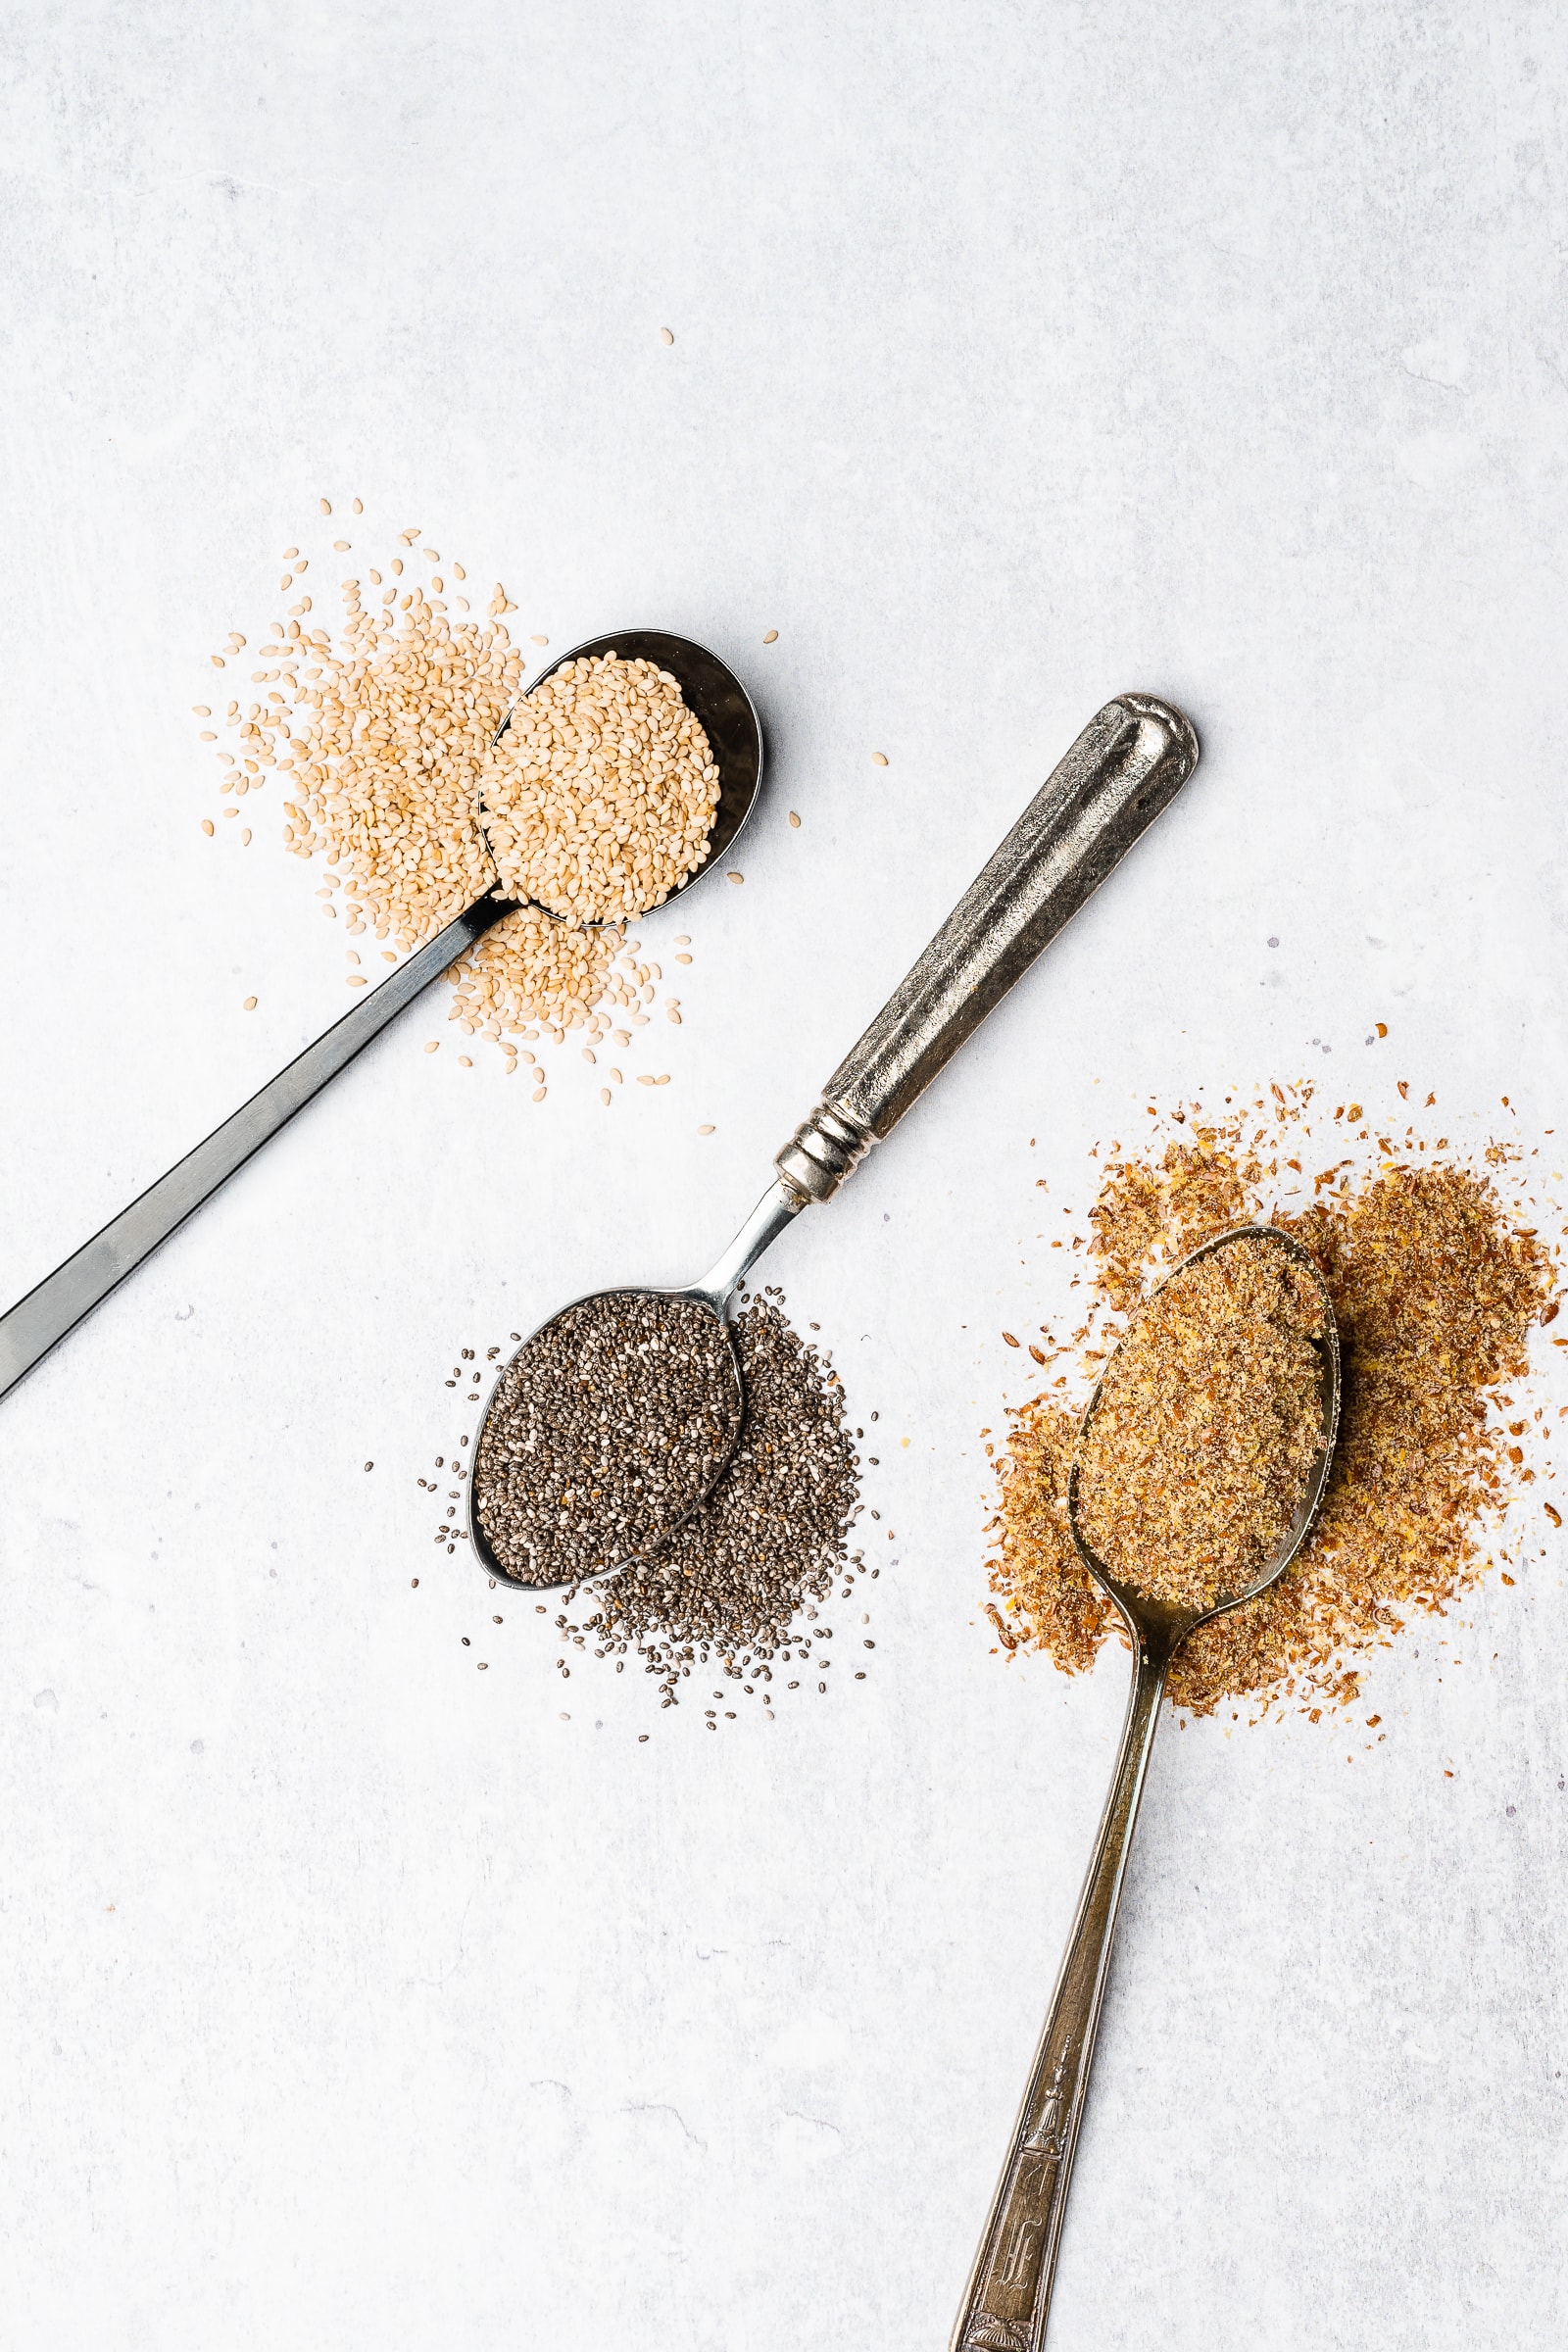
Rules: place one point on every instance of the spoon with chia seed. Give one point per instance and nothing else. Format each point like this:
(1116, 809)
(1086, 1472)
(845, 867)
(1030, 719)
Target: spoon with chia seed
(38, 1322)
(568, 1482)
(1150, 1446)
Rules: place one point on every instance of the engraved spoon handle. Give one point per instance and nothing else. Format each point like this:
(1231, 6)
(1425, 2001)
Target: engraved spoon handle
(1007, 2301)
(1129, 763)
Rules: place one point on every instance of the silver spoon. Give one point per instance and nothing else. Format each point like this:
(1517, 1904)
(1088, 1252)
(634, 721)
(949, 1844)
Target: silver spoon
(40, 1320)
(1128, 765)
(1007, 2303)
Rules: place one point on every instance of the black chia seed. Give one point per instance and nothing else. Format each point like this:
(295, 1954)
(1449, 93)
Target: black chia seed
(604, 1431)
(769, 1543)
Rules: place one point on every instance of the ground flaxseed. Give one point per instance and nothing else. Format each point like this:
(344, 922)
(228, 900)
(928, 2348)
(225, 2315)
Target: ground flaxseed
(606, 1428)
(1435, 1287)
(1208, 1423)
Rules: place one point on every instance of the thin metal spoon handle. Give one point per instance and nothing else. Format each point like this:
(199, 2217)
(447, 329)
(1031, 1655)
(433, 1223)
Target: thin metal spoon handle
(38, 1322)
(1129, 764)
(1007, 2301)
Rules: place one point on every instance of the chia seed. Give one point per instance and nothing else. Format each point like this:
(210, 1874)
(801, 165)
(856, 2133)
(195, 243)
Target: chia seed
(604, 1429)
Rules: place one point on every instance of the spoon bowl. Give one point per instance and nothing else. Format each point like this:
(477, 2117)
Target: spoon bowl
(1158, 1624)
(719, 701)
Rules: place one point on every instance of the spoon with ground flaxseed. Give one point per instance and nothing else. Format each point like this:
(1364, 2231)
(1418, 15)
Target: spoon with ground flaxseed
(615, 1419)
(568, 860)
(1201, 1465)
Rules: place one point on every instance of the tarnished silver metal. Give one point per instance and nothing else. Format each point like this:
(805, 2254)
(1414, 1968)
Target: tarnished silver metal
(56, 1304)
(1007, 2305)
(1128, 765)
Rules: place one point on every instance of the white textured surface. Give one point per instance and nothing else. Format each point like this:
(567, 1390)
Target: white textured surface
(354, 1999)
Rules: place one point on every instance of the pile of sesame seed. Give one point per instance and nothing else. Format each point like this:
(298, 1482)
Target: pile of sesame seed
(1208, 1423)
(381, 726)
(605, 1428)
(1436, 1284)
(599, 796)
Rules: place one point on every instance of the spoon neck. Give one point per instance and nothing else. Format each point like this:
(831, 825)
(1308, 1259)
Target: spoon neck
(778, 1208)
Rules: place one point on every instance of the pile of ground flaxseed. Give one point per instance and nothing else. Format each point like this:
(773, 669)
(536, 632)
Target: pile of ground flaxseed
(380, 726)
(1437, 1269)
(743, 1588)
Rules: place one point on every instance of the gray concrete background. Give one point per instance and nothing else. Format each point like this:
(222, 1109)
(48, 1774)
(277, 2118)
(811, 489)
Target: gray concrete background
(353, 1999)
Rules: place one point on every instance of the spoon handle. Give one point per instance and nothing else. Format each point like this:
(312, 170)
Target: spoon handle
(1007, 2301)
(1131, 759)
(40, 1320)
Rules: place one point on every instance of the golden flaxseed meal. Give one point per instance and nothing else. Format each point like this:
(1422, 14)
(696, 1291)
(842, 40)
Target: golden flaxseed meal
(1435, 1287)
(1197, 1458)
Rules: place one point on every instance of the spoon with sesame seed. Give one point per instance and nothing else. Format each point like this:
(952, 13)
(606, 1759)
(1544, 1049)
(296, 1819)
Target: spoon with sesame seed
(40, 1320)
(1192, 1469)
(561, 1488)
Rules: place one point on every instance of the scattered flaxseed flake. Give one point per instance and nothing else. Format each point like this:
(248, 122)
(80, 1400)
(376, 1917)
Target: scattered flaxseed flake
(1436, 1286)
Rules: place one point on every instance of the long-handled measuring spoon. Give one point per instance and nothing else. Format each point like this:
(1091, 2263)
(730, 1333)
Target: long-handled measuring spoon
(40, 1320)
(1007, 2302)
(1128, 765)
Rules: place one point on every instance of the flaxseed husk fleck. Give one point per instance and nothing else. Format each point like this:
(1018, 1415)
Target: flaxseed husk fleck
(1435, 1287)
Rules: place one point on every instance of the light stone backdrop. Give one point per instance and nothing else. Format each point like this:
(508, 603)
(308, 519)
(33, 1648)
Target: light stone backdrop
(353, 1999)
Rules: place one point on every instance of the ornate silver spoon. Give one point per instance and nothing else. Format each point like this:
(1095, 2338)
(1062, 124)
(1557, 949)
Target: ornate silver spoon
(1007, 2303)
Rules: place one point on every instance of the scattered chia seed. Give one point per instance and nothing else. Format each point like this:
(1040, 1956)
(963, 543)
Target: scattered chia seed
(604, 1431)
(770, 1542)
(723, 1592)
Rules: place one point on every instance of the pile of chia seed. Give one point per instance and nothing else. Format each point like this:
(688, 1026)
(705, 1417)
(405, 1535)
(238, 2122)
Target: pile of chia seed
(604, 1430)
(728, 1588)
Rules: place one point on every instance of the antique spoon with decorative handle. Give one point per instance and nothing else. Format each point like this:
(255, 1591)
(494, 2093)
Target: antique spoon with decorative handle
(58, 1303)
(1007, 2303)
(1128, 765)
